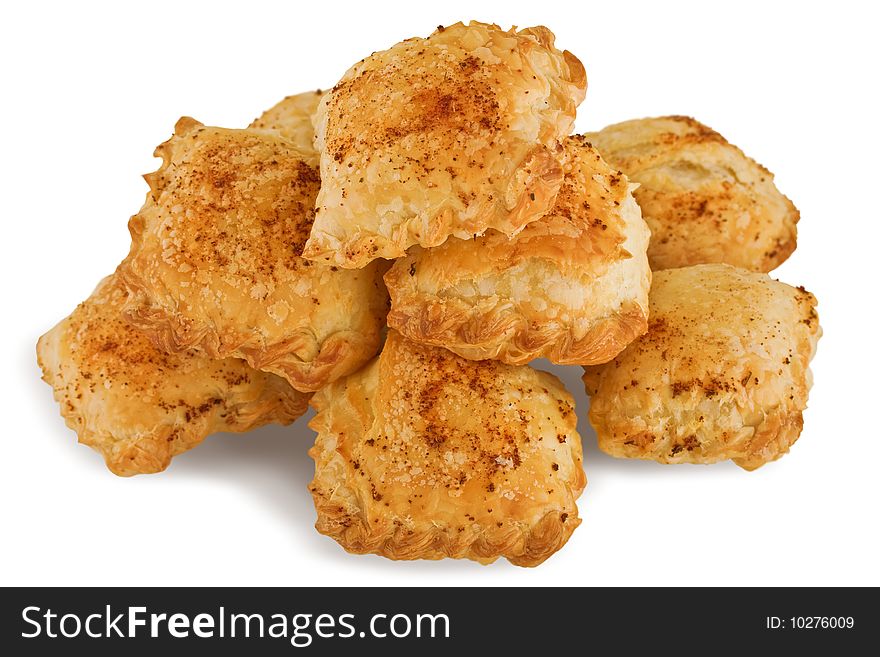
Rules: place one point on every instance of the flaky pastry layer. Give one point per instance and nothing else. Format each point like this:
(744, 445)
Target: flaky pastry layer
(215, 261)
(703, 198)
(425, 455)
(722, 373)
(571, 287)
(445, 136)
(139, 406)
(293, 119)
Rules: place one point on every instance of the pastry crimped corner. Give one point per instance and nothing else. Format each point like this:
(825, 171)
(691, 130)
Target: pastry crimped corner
(426, 455)
(443, 136)
(571, 287)
(703, 198)
(140, 406)
(722, 373)
(215, 261)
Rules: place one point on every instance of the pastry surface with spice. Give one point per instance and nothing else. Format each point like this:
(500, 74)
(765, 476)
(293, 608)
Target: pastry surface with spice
(425, 455)
(571, 287)
(215, 261)
(722, 373)
(139, 406)
(704, 200)
(442, 136)
(292, 118)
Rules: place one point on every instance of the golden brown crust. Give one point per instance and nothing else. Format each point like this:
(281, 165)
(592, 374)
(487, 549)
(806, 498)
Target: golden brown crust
(449, 135)
(722, 373)
(215, 261)
(424, 455)
(292, 118)
(139, 406)
(703, 199)
(571, 287)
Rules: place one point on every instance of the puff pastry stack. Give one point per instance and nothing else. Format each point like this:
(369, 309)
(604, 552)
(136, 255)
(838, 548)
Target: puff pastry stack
(398, 249)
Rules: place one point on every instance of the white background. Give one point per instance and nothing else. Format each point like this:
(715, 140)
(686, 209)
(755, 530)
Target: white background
(89, 90)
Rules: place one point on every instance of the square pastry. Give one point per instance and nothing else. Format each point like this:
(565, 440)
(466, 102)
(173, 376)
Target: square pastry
(448, 135)
(722, 373)
(425, 455)
(215, 261)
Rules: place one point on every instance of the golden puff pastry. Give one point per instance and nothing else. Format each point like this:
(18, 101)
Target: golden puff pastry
(425, 455)
(215, 261)
(571, 287)
(722, 373)
(292, 119)
(139, 406)
(703, 199)
(448, 135)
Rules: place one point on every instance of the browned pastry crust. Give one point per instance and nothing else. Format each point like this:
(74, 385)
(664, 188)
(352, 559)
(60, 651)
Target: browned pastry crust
(449, 135)
(292, 119)
(722, 373)
(425, 455)
(139, 406)
(215, 262)
(571, 287)
(703, 199)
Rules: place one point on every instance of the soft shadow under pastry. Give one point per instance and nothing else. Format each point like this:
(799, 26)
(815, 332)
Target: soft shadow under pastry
(722, 373)
(425, 455)
(571, 287)
(139, 406)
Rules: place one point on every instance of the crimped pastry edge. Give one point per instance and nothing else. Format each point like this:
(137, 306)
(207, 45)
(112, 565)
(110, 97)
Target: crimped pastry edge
(341, 511)
(522, 546)
(769, 441)
(537, 177)
(335, 356)
(533, 187)
(506, 335)
(152, 453)
(174, 334)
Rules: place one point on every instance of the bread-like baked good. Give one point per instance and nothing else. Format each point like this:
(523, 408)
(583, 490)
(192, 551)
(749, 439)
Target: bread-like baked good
(215, 261)
(722, 373)
(139, 406)
(292, 118)
(703, 199)
(425, 455)
(571, 287)
(448, 135)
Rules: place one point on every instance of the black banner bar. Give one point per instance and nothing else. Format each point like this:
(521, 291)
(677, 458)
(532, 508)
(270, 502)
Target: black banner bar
(425, 621)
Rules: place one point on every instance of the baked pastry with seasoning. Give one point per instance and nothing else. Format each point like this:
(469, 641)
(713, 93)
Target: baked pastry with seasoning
(703, 198)
(425, 455)
(571, 287)
(139, 406)
(722, 373)
(215, 261)
(445, 136)
(292, 118)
